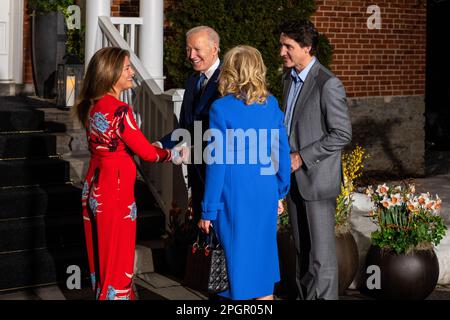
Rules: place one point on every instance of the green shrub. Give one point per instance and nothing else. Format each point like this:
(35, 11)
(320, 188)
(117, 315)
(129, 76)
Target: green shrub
(45, 6)
(251, 22)
(75, 37)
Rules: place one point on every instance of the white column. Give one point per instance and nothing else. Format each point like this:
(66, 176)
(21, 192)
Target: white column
(6, 55)
(17, 41)
(94, 9)
(151, 39)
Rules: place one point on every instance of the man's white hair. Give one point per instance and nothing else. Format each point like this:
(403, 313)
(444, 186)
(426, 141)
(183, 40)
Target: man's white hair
(213, 36)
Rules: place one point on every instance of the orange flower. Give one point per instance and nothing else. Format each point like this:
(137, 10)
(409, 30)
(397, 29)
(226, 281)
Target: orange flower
(410, 206)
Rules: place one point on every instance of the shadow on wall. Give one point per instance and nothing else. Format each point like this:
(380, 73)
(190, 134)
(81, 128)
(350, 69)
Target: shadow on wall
(377, 138)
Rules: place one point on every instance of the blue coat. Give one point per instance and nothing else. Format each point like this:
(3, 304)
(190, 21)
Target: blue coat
(242, 200)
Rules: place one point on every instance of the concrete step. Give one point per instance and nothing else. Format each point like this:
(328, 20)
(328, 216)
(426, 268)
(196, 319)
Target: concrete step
(57, 120)
(79, 164)
(19, 119)
(71, 136)
(33, 172)
(71, 142)
(145, 255)
(27, 145)
(167, 288)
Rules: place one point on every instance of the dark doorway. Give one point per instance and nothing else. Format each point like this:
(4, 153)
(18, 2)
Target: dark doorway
(438, 74)
(437, 97)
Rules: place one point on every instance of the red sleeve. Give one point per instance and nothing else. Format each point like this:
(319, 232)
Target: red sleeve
(130, 134)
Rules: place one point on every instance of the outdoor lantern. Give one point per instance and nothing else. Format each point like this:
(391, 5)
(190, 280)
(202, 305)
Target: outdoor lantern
(69, 77)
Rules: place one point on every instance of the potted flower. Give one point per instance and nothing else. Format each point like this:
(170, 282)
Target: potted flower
(346, 248)
(409, 225)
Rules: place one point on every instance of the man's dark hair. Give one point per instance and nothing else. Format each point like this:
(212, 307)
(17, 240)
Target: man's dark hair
(302, 31)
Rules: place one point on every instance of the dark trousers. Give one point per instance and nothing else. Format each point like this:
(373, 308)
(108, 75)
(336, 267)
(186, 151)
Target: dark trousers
(312, 225)
(196, 178)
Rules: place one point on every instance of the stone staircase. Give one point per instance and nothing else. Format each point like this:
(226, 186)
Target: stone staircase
(71, 141)
(42, 161)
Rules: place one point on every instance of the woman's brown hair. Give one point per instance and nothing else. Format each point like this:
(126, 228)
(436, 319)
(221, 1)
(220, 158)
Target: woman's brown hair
(104, 70)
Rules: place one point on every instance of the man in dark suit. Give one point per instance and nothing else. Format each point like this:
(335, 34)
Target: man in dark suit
(202, 49)
(318, 124)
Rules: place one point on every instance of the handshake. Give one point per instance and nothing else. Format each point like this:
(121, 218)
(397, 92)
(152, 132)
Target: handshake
(179, 155)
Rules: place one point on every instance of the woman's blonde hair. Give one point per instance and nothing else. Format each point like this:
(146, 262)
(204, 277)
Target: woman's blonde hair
(244, 75)
(103, 72)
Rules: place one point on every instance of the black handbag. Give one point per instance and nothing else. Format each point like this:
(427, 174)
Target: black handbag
(206, 268)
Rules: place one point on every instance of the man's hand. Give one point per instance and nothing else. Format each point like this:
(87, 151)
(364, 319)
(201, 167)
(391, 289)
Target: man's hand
(185, 154)
(180, 155)
(204, 225)
(296, 161)
(280, 207)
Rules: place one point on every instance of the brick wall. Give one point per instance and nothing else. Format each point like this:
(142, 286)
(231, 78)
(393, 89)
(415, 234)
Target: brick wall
(375, 65)
(125, 8)
(385, 62)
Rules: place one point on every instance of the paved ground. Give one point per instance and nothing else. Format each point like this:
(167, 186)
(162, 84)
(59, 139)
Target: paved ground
(153, 286)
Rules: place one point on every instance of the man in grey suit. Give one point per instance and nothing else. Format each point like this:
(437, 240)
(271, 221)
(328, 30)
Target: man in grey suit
(318, 124)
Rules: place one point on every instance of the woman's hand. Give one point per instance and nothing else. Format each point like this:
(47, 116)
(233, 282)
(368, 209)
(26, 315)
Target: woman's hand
(280, 207)
(180, 155)
(158, 144)
(185, 153)
(204, 225)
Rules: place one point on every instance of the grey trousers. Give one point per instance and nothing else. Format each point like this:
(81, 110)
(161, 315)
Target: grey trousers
(312, 227)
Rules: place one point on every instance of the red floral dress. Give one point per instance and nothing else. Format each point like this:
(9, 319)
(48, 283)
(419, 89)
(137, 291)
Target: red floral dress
(109, 208)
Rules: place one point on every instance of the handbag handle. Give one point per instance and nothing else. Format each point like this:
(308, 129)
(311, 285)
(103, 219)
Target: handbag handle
(213, 236)
(211, 241)
(211, 244)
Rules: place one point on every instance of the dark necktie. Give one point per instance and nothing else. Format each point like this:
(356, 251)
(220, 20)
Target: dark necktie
(294, 92)
(200, 83)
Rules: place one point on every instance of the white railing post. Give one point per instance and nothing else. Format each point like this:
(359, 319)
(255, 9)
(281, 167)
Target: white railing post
(176, 98)
(127, 28)
(151, 39)
(94, 9)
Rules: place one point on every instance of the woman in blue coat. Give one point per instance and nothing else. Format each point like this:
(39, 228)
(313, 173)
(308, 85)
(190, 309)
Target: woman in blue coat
(248, 173)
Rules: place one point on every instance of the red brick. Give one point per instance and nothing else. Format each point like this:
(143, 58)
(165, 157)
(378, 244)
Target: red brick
(389, 61)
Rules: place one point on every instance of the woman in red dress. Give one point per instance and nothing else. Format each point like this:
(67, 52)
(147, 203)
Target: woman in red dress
(109, 208)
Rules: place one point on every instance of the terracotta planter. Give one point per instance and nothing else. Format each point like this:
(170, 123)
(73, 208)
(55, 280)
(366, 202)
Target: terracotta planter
(405, 276)
(348, 260)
